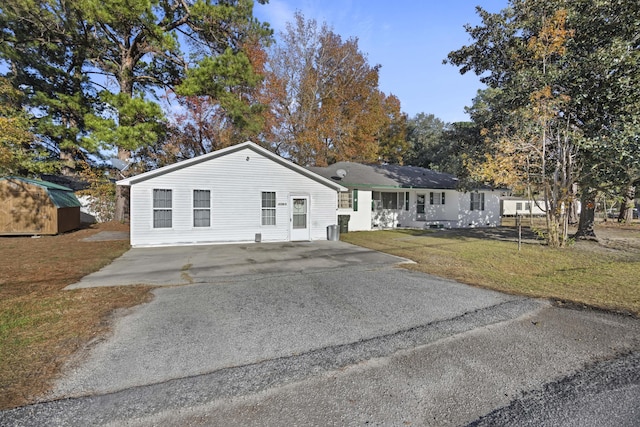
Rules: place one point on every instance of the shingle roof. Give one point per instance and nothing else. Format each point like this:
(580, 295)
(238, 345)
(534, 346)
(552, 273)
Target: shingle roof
(360, 175)
(62, 197)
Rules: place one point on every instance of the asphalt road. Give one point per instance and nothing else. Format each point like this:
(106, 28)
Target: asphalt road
(342, 343)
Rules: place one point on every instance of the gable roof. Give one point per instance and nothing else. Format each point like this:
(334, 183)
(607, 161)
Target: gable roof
(61, 197)
(390, 176)
(232, 149)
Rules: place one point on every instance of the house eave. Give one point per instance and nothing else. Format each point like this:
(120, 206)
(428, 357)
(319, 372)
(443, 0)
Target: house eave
(219, 153)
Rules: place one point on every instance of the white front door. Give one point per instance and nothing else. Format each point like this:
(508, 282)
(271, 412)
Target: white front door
(300, 218)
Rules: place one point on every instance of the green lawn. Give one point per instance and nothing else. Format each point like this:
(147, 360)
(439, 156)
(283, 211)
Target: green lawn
(584, 273)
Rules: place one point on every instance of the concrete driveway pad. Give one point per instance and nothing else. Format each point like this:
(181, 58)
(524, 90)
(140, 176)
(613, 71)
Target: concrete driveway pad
(181, 265)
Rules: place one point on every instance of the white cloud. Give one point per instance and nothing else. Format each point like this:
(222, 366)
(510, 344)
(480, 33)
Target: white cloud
(277, 13)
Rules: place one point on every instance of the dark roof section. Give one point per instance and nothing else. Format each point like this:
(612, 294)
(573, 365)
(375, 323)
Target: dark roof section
(62, 197)
(396, 176)
(72, 182)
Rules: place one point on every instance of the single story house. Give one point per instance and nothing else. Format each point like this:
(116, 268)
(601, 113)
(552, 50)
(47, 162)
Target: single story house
(389, 196)
(32, 207)
(512, 206)
(243, 193)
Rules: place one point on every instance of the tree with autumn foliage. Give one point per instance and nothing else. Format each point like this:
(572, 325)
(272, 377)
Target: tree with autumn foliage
(565, 77)
(92, 68)
(200, 124)
(326, 101)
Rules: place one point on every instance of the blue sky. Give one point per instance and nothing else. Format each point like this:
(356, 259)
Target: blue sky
(408, 38)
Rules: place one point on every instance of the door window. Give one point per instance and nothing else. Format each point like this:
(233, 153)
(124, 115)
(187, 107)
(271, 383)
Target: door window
(299, 213)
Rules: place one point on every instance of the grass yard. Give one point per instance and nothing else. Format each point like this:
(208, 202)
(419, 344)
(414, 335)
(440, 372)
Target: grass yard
(41, 325)
(605, 275)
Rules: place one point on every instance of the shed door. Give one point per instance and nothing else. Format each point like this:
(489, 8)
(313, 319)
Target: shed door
(300, 218)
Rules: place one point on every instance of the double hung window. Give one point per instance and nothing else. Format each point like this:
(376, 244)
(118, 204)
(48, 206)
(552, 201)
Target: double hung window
(345, 200)
(268, 208)
(477, 202)
(436, 198)
(162, 208)
(201, 208)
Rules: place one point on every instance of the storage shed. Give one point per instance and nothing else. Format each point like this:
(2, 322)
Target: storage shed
(29, 206)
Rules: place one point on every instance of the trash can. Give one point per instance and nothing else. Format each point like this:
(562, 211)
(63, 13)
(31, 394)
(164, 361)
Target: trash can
(333, 233)
(343, 221)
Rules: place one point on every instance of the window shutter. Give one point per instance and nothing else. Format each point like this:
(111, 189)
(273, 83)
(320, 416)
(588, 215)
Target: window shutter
(481, 201)
(431, 198)
(442, 197)
(355, 200)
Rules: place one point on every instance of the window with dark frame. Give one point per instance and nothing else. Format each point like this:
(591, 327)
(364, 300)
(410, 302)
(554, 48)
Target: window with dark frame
(420, 204)
(162, 208)
(201, 208)
(376, 202)
(389, 200)
(268, 208)
(436, 198)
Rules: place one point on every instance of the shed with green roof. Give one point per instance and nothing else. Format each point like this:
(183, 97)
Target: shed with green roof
(30, 207)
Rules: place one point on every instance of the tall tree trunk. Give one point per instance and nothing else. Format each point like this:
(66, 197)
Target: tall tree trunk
(573, 205)
(587, 216)
(68, 162)
(125, 78)
(628, 203)
(122, 204)
(122, 193)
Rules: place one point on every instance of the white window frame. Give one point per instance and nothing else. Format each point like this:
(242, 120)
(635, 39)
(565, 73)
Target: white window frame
(206, 208)
(436, 198)
(345, 200)
(267, 209)
(476, 202)
(161, 207)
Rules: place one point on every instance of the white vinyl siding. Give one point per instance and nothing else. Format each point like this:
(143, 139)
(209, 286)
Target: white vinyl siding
(268, 208)
(201, 208)
(162, 208)
(236, 181)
